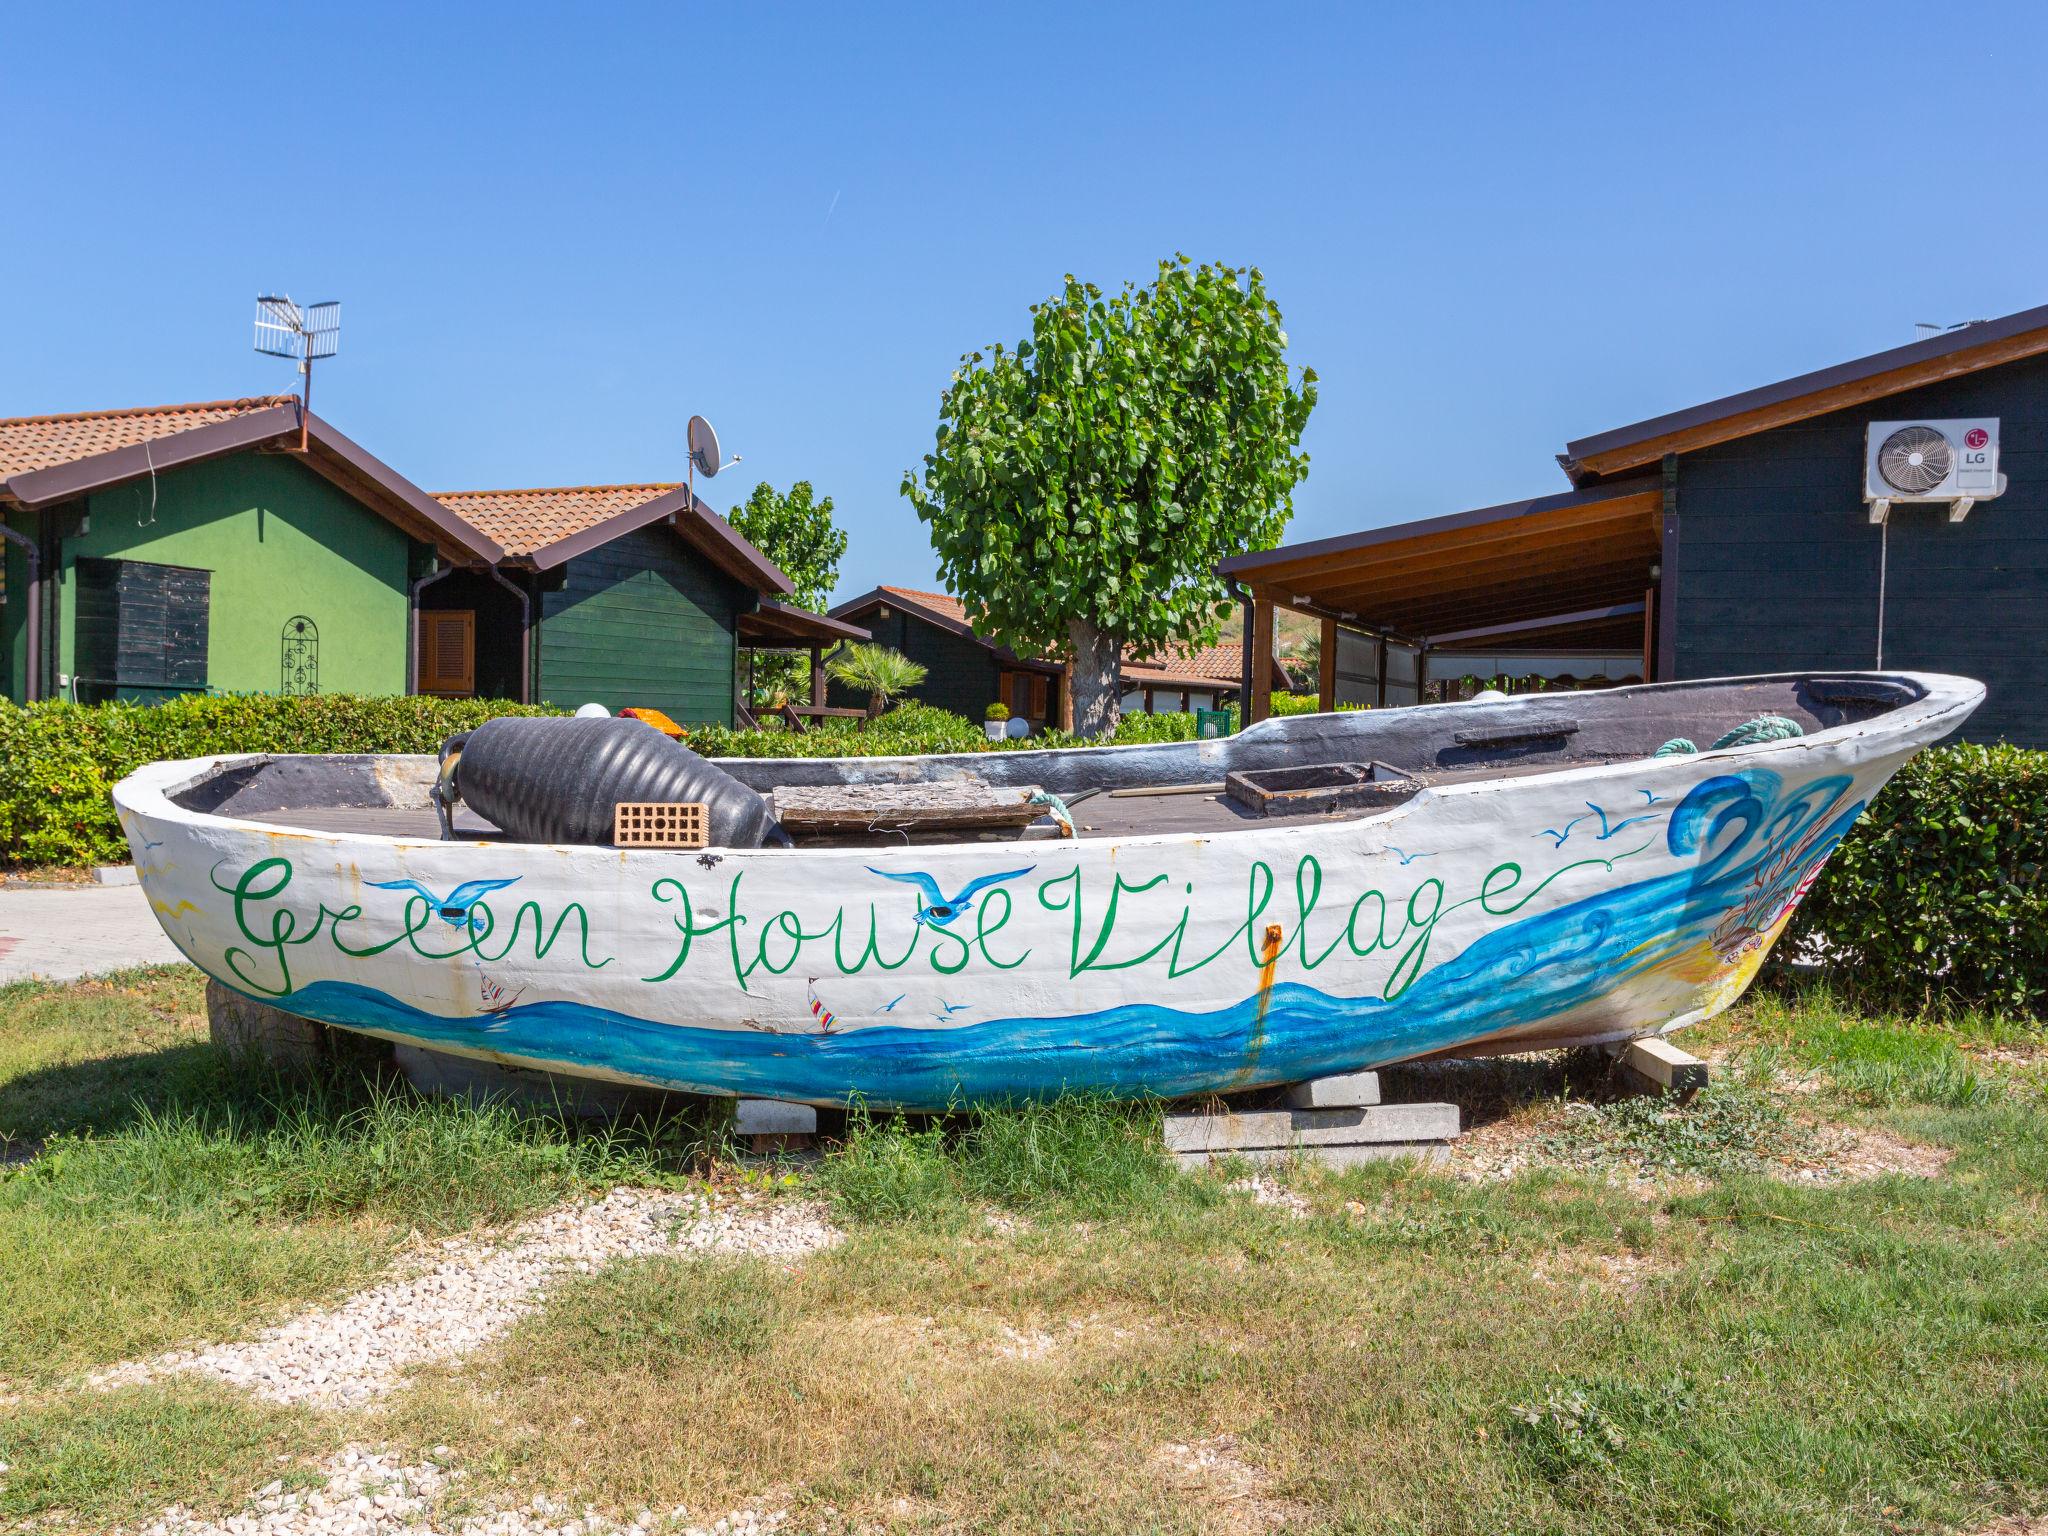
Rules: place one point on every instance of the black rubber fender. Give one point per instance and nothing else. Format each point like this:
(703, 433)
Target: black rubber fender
(558, 780)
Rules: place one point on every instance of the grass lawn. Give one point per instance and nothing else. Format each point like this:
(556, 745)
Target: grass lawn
(1815, 1299)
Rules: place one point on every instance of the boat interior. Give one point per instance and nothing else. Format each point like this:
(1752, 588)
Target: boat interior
(1289, 771)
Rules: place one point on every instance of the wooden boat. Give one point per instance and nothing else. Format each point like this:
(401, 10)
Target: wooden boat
(1317, 894)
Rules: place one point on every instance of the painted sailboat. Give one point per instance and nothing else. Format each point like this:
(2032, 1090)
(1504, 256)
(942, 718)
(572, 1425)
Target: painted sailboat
(1314, 895)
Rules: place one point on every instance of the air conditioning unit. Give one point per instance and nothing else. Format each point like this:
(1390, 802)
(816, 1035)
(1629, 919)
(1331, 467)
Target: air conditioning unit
(1953, 461)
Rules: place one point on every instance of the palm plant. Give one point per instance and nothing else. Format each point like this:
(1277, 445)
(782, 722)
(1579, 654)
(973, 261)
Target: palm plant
(884, 674)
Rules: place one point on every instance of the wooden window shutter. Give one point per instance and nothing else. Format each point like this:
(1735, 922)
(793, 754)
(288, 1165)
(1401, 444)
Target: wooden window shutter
(1037, 696)
(448, 651)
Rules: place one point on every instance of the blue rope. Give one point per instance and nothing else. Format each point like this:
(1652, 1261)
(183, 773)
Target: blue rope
(1762, 728)
(1748, 734)
(1056, 808)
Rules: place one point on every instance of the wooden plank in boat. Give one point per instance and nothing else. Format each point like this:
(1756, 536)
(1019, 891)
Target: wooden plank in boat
(931, 807)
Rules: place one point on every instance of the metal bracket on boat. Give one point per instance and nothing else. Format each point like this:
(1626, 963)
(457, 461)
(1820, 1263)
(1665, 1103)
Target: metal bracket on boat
(1520, 731)
(444, 794)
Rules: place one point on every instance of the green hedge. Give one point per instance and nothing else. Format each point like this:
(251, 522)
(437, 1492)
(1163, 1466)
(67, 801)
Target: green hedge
(1938, 894)
(58, 760)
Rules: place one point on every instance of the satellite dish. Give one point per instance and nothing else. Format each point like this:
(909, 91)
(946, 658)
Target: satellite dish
(704, 448)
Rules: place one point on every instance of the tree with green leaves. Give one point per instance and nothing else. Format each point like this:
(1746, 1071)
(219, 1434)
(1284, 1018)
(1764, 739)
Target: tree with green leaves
(884, 675)
(1085, 483)
(795, 532)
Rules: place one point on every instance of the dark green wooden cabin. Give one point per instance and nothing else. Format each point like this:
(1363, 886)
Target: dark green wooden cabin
(963, 672)
(632, 595)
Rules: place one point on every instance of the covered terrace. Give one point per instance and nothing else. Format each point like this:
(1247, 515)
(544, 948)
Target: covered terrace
(1571, 574)
(780, 626)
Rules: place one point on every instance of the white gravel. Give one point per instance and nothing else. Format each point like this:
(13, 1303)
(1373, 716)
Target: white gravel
(470, 1290)
(1265, 1191)
(369, 1492)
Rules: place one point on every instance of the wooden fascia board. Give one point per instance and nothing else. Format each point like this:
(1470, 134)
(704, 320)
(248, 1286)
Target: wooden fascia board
(1259, 568)
(696, 524)
(81, 477)
(1587, 467)
(374, 483)
(1561, 566)
(1522, 560)
(1599, 585)
(1558, 524)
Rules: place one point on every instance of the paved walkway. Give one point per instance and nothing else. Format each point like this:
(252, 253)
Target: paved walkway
(62, 932)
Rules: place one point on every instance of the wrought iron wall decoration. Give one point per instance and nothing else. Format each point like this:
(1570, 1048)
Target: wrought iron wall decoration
(299, 671)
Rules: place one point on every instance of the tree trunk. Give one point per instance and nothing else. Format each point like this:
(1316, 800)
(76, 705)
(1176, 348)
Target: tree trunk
(876, 704)
(1098, 698)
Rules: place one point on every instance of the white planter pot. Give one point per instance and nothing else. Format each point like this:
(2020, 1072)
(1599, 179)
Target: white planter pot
(995, 730)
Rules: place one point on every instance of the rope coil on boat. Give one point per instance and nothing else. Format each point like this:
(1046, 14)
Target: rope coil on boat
(1748, 734)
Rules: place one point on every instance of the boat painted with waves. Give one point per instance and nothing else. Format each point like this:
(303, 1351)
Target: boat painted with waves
(1193, 917)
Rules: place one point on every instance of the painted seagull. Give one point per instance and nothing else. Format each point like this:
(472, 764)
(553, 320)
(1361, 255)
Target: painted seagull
(935, 907)
(1406, 857)
(456, 910)
(951, 1009)
(890, 1006)
(1561, 833)
(1605, 830)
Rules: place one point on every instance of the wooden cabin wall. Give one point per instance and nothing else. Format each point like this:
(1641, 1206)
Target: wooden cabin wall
(1777, 564)
(643, 620)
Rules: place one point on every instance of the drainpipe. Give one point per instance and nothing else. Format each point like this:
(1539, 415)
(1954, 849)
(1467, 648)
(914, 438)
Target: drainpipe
(32, 630)
(525, 630)
(412, 627)
(1242, 593)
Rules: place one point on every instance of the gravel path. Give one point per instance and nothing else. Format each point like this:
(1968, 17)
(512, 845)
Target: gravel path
(368, 1492)
(470, 1290)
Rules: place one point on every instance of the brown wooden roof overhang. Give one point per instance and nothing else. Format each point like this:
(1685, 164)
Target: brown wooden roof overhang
(703, 529)
(775, 625)
(1571, 558)
(893, 597)
(1967, 349)
(328, 453)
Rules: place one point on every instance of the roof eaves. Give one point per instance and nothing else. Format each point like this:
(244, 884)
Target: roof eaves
(462, 534)
(1250, 563)
(80, 477)
(911, 605)
(1875, 364)
(703, 528)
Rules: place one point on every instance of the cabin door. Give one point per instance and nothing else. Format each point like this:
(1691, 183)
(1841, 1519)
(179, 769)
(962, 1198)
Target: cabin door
(448, 652)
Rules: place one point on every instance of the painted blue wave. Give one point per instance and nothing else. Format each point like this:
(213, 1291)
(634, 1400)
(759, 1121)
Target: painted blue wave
(1752, 845)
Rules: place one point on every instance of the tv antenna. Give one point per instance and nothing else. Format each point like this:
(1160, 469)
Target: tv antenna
(285, 329)
(704, 454)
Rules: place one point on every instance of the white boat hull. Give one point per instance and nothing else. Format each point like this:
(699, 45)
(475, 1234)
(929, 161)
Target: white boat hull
(1562, 907)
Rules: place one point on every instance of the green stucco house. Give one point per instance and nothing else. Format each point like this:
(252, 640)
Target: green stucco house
(248, 547)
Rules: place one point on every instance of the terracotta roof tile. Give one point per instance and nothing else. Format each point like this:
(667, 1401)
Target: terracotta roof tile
(1221, 664)
(943, 602)
(525, 521)
(29, 443)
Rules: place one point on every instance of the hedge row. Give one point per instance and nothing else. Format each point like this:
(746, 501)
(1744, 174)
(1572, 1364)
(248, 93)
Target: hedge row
(58, 760)
(1938, 894)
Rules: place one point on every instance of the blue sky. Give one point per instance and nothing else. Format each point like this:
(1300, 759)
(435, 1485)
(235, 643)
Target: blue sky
(559, 231)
